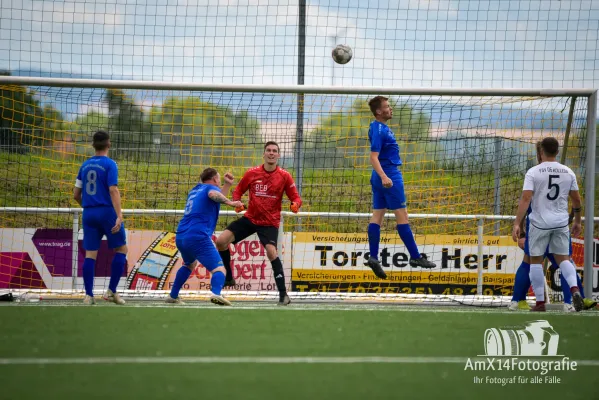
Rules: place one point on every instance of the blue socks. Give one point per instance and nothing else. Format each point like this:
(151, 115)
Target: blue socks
(180, 279)
(374, 237)
(579, 283)
(116, 270)
(566, 288)
(88, 276)
(521, 282)
(407, 237)
(405, 233)
(217, 282)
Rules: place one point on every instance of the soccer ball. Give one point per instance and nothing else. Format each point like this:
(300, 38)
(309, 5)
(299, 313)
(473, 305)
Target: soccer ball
(342, 54)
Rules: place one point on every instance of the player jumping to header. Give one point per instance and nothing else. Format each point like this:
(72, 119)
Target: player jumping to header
(387, 188)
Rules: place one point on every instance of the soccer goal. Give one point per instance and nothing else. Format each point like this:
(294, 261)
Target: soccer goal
(464, 152)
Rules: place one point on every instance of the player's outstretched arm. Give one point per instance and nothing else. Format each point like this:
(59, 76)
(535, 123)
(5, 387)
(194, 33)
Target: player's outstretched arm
(576, 209)
(522, 207)
(228, 178)
(218, 197)
(115, 197)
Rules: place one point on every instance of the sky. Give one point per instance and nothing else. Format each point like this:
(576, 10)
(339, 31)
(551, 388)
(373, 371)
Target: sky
(409, 43)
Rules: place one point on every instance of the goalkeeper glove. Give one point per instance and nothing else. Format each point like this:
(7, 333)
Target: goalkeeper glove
(239, 209)
(294, 207)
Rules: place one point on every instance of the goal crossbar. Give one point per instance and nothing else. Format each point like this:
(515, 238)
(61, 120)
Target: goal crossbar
(532, 94)
(297, 89)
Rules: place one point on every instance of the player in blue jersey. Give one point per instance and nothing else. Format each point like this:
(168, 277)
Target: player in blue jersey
(194, 234)
(97, 192)
(387, 188)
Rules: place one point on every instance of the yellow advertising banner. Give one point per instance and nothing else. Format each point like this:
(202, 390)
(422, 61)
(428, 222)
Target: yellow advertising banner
(337, 262)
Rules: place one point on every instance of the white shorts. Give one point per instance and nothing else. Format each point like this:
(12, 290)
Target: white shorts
(555, 241)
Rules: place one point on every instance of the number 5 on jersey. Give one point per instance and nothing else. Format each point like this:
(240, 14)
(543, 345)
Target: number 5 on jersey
(551, 186)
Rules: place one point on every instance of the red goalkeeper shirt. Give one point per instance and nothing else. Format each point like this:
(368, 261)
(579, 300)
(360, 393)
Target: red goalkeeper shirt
(266, 194)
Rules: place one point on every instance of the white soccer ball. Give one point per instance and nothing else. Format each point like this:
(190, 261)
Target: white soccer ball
(342, 54)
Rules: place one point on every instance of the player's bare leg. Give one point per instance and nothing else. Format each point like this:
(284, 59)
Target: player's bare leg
(374, 235)
(222, 244)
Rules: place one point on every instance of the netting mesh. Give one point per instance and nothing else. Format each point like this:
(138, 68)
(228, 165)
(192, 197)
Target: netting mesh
(403, 43)
(462, 155)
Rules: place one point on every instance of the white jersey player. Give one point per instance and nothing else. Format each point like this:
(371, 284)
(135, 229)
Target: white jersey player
(546, 190)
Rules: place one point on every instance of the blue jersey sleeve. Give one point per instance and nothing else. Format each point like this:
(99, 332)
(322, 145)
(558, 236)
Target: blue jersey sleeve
(376, 138)
(201, 213)
(113, 174)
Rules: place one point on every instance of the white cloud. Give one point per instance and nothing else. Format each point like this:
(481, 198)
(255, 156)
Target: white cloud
(415, 43)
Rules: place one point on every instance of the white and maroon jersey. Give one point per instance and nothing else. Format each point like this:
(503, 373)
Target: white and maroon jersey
(551, 183)
(266, 194)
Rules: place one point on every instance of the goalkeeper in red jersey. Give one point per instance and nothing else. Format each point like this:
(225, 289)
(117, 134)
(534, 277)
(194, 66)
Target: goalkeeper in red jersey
(266, 184)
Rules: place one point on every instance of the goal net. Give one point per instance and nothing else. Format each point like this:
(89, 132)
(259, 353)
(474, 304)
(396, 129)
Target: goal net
(464, 158)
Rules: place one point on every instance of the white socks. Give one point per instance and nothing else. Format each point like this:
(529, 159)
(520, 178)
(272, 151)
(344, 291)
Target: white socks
(537, 279)
(569, 272)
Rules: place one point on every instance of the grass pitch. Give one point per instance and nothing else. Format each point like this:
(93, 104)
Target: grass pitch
(257, 351)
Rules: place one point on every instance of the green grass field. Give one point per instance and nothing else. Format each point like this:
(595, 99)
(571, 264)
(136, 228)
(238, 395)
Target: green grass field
(138, 352)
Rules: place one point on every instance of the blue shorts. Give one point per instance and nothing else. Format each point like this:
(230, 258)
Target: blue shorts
(198, 247)
(97, 222)
(391, 198)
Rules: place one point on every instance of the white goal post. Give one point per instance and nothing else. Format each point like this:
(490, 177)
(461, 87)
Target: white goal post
(289, 219)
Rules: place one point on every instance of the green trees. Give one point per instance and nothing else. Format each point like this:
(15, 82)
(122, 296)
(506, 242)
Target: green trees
(169, 130)
(25, 122)
(342, 138)
(192, 121)
(130, 130)
(206, 133)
